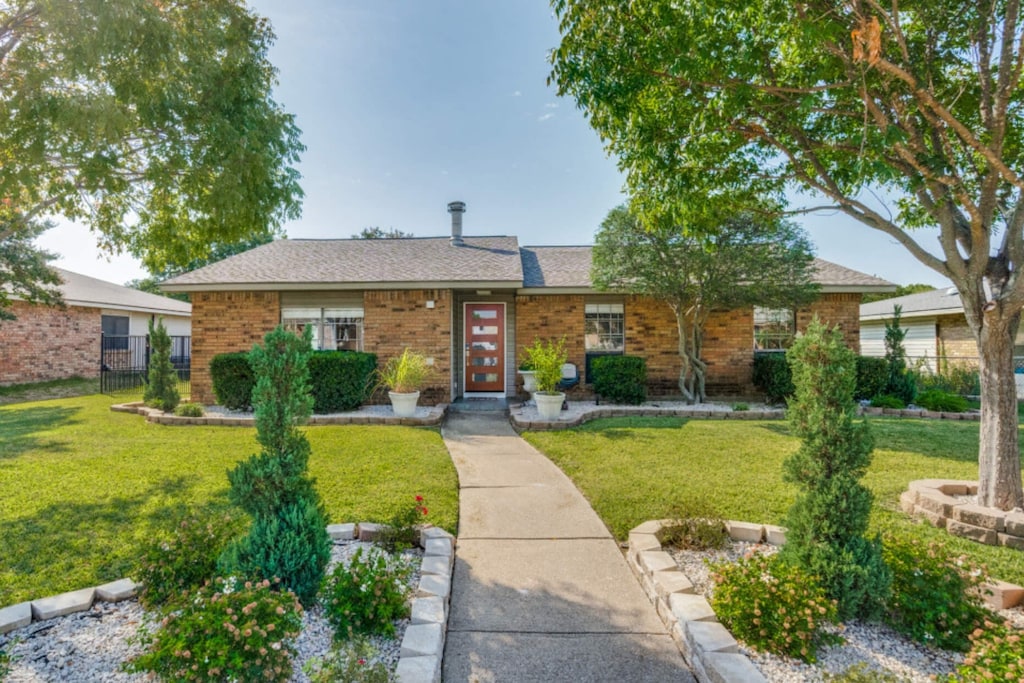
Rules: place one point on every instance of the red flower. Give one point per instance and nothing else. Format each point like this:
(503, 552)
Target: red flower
(424, 510)
(419, 499)
(362, 662)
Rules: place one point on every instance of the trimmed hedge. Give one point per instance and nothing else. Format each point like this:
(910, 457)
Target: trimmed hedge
(233, 380)
(936, 399)
(620, 379)
(340, 380)
(872, 377)
(773, 376)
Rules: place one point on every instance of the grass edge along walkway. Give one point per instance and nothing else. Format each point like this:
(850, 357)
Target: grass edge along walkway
(636, 469)
(82, 488)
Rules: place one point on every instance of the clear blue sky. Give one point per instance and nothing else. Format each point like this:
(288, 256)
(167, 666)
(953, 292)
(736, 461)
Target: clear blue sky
(405, 106)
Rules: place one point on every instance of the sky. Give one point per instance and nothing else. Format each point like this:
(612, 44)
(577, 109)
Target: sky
(406, 106)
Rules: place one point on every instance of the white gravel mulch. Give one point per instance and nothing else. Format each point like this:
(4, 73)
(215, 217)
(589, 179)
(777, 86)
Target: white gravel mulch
(90, 646)
(875, 645)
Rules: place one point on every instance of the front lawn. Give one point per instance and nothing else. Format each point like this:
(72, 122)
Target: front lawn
(632, 469)
(83, 488)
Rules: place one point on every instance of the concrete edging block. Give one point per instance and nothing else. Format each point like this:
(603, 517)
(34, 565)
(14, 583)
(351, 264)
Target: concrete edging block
(65, 603)
(116, 591)
(420, 669)
(15, 616)
(423, 640)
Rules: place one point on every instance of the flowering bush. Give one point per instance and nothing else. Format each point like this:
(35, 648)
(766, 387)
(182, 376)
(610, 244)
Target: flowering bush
(183, 561)
(935, 597)
(402, 530)
(773, 606)
(996, 654)
(349, 662)
(227, 630)
(367, 595)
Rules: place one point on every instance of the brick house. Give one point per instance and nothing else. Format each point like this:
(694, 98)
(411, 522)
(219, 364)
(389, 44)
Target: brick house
(472, 304)
(46, 343)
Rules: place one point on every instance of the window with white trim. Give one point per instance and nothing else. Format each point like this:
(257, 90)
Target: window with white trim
(774, 328)
(334, 329)
(605, 327)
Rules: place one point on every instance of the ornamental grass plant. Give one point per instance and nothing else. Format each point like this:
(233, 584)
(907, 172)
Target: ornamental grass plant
(407, 373)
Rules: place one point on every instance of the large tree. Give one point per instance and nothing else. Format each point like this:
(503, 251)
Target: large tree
(742, 261)
(24, 273)
(919, 100)
(150, 121)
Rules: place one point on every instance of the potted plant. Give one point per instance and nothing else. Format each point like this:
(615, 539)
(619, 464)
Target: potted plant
(529, 377)
(404, 376)
(547, 359)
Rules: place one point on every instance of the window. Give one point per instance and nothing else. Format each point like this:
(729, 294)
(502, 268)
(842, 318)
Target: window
(115, 331)
(334, 329)
(605, 328)
(774, 329)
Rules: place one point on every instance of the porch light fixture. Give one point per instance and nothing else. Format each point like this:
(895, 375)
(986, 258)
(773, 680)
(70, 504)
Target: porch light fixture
(483, 292)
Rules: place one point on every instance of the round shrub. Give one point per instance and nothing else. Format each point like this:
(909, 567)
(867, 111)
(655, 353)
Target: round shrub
(888, 401)
(773, 606)
(189, 410)
(935, 596)
(184, 560)
(936, 399)
(872, 377)
(620, 379)
(367, 595)
(340, 380)
(773, 376)
(225, 631)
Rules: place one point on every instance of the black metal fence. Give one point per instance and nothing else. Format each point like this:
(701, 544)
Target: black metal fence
(124, 363)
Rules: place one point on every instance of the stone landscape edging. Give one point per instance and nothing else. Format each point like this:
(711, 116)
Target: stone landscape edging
(422, 646)
(156, 416)
(708, 647)
(767, 414)
(934, 500)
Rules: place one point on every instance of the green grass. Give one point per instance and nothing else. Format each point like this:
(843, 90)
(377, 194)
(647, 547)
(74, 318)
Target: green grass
(54, 388)
(976, 405)
(632, 469)
(83, 488)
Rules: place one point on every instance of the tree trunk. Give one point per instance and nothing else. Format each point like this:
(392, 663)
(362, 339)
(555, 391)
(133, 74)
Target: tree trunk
(999, 484)
(686, 383)
(693, 369)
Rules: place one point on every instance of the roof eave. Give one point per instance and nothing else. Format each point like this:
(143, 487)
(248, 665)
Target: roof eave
(318, 286)
(926, 313)
(855, 289)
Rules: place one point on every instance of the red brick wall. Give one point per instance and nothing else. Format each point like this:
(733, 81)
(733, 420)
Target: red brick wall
(835, 309)
(223, 322)
(552, 317)
(394, 320)
(47, 343)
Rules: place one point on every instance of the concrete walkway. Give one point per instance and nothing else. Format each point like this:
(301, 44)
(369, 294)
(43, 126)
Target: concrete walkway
(541, 591)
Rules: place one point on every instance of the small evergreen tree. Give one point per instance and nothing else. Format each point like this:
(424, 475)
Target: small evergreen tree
(901, 383)
(827, 522)
(161, 390)
(288, 538)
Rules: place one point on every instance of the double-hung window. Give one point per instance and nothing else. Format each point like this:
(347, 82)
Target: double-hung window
(605, 328)
(334, 329)
(774, 328)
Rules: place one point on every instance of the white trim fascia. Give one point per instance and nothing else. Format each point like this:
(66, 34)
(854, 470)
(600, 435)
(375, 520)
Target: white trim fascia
(121, 307)
(904, 315)
(855, 289)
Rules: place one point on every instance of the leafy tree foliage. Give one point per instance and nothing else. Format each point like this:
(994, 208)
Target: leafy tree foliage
(900, 383)
(161, 388)
(828, 520)
(151, 122)
(743, 262)
(379, 233)
(901, 290)
(919, 101)
(288, 539)
(24, 272)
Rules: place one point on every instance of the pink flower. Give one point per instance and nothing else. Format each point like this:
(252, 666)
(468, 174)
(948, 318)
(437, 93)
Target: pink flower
(362, 662)
(424, 510)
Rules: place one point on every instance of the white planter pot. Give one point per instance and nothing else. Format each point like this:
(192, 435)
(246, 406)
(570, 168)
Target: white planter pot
(529, 381)
(404, 405)
(549, 406)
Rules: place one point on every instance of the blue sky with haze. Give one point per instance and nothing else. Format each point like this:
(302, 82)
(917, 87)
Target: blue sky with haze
(406, 105)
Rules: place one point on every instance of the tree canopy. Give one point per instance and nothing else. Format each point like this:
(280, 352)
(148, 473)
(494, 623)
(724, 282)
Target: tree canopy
(853, 101)
(379, 233)
(24, 273)
(901, 290)
(151, 122)
(745, 261)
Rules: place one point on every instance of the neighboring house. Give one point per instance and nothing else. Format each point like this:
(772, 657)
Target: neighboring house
(47, 342)
(472, 305)
(935, 324)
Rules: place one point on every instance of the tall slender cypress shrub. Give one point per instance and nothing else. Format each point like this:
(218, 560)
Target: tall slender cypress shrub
(901, 383)
(287, 539)
(160, 387)
(828, 520)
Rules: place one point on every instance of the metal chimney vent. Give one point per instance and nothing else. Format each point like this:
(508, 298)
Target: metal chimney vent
(456, 209)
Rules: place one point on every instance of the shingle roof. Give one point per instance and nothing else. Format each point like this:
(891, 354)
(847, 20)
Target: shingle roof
(82, 290)
(936, 302)
(570, 267)
(364, 261)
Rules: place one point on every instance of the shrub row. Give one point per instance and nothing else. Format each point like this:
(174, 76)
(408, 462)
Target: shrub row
(620, 379)
(340, 380)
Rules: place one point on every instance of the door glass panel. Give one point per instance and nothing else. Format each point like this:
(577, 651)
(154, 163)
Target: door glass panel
(489, 362)
(485, 329)
(485, 346)
(485, 315)
(488, 377)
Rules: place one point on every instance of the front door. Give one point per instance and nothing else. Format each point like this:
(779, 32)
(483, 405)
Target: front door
(485, 347)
